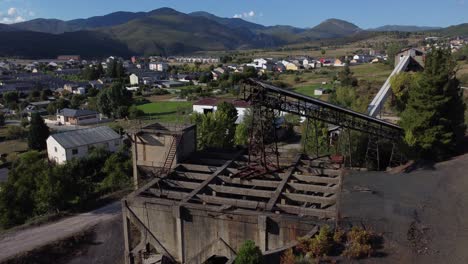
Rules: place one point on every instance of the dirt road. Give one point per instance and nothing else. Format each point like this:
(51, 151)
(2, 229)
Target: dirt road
(18, 242)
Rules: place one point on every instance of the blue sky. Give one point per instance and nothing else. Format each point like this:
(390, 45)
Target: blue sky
(299, 13)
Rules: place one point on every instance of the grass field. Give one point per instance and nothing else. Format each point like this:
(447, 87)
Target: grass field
(310, 89)
(167, 111)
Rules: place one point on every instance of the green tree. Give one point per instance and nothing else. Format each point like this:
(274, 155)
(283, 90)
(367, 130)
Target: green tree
(346, 77)
(135, 113)
(227, 116)
(117, 168)
(216, 130)
(113, 100)
(434, 116)
(17, 195)
(392, 50)
(315, 137)
(2, 119)
(10, 98)
(249, 253)
(38, 133)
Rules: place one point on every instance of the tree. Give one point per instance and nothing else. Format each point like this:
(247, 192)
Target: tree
(392, 50)
(401, 84)
(346, 77)
(135, 113)
(227, 117)
(38, 133)
(315, 137)
(10, 98)
(434, 116)
(117, 169)
(2, 119)
(114, 101)
(17, 196)
(249, 253)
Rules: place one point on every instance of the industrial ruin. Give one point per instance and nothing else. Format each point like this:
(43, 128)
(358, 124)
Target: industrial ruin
(196, 206)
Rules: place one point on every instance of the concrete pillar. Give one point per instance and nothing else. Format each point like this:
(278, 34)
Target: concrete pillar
(263, 233)
(177, 213)
(135, 161)
(126, 226)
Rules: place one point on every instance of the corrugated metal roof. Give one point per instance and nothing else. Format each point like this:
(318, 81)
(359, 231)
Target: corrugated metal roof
(67, 112)
(85, 137)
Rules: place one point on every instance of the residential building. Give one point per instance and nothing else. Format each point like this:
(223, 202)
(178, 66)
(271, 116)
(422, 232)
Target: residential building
(158, 66)
(209, 105)
(63, 147)
(78, 117)
(339, 63)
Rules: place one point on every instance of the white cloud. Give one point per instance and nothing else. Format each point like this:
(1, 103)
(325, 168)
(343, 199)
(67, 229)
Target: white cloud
(246, 15)
(15, 15)
(12, 11)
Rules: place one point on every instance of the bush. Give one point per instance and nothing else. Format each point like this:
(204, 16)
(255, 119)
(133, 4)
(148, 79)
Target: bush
(358, 243)
(249, 254)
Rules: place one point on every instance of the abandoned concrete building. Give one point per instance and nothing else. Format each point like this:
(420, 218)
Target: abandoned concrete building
(194, 206)
(202, 210)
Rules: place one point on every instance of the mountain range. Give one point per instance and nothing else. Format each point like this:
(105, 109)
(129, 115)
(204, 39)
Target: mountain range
(163, 31)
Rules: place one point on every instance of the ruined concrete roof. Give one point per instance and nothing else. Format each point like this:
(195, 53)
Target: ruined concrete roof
(212, 181)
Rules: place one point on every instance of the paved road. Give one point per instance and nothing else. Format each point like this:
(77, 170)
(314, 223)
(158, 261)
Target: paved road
(22, 241)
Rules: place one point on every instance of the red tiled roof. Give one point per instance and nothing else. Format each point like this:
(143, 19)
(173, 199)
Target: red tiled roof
(217, 101)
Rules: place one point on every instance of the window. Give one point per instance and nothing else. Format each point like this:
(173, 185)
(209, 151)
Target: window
(117, 142)
(74, 151)
(206, 111)
(90, 148)
(55, 148)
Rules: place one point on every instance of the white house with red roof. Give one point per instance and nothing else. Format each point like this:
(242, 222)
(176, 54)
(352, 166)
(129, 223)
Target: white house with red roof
(210, 105)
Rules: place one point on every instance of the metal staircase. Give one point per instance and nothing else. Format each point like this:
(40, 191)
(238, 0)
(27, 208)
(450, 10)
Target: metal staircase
(171, 154)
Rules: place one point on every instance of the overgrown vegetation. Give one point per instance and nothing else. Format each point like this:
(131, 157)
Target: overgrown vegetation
(249, 253)
(34, 187)
(216, 130)
(357, 243)
(433, 119)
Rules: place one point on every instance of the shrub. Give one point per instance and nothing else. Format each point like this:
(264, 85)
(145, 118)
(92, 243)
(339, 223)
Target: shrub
(358, 243)
(288, 257)
(249, 254)
(321, 244)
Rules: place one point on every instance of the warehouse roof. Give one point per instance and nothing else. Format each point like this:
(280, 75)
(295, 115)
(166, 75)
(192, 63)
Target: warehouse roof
(85, 137)
(77, 112)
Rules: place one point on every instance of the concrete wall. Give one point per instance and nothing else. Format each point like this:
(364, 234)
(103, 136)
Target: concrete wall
(194, 235)
(152, 149)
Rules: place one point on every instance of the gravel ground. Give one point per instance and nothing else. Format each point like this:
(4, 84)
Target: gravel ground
(22, 241)
(423, 215)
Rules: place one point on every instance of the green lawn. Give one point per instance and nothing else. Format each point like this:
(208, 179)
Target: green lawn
(167, 111)
(378, 72)
(309, 89)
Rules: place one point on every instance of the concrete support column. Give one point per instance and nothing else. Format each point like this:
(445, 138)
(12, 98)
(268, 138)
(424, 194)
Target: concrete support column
(263, 233)
(177, 213)
(135, 161)
(126, 225)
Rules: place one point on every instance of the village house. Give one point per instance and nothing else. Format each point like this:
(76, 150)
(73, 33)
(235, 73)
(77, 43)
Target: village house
(158, 66)
(210, 105)
(63, 147)
(339, 63)
(78, 117)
